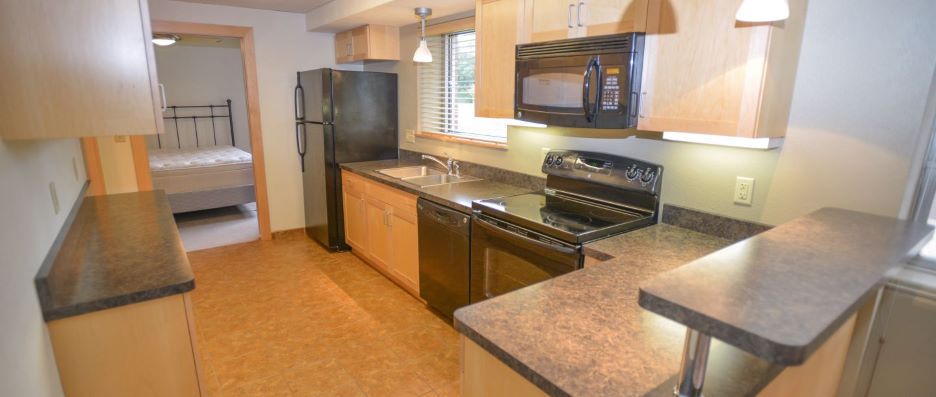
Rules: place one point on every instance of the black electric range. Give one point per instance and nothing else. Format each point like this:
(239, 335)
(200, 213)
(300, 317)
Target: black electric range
(524, 239)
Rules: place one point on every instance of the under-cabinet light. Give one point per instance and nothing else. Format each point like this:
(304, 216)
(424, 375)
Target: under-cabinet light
(521, 123)
(163, 40)
(734, 141)
(763, 10)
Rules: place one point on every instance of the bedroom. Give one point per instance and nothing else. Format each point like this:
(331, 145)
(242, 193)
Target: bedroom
(204, 161)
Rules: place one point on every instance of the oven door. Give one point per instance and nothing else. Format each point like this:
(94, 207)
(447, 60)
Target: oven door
(558, 91)
(505, 258)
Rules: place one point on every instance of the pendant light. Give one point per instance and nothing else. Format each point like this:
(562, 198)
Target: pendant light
(763, 10)
(422, 53)
(163, 40)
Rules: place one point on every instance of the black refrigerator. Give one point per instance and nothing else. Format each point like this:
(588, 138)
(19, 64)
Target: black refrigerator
(341, 117)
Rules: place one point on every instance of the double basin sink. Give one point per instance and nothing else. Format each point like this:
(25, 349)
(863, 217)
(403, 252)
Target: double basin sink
(424, 176)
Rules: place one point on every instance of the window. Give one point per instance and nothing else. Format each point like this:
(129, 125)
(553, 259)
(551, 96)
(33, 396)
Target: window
(446, 91)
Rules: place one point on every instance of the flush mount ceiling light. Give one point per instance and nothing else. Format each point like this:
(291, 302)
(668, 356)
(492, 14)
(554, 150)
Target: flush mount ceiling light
(422, 53)
(163, 40)
(763, 10)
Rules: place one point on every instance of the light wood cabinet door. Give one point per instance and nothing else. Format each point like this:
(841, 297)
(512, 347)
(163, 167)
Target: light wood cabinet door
(497, 24)
(379, 238)
(359, 45)
(344, 47)
(355, 218)
(551, 19)
(740, 82)
(603, 17)
(77, 69)
(405, 265)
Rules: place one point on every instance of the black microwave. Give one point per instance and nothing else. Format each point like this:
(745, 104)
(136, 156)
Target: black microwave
(591, 82)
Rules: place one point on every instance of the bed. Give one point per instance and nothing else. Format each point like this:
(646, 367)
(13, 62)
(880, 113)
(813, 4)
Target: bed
(197, 171)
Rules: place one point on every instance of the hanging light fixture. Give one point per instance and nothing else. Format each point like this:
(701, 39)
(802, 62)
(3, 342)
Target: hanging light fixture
(163, 40)
(422, 53)
(763, 10)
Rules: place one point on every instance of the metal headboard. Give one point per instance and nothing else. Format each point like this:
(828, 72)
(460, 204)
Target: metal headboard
(211, 109)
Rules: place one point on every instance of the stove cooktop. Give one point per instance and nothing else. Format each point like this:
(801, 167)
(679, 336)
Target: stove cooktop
(567, 219)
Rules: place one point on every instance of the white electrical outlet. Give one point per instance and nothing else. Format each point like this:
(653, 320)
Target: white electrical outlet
(410, 136)
(55, 201)
(743, 190)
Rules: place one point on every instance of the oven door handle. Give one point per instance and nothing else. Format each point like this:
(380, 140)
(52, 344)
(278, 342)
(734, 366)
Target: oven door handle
(586, 89)
(514, 237)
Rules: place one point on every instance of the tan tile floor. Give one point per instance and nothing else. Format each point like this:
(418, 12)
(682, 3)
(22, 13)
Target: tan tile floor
(287, 318)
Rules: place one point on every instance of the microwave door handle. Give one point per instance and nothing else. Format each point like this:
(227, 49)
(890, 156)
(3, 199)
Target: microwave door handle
(599, 89)
(586, 89)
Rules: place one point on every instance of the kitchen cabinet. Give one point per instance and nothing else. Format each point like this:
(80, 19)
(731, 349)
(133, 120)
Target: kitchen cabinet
(561, 19)
(497, 30)
(77, 69)
(706, 73)
(368, 43)
(380, 226)
(145, 349)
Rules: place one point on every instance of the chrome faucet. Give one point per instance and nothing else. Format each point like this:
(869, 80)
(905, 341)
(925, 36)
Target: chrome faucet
(452, 167)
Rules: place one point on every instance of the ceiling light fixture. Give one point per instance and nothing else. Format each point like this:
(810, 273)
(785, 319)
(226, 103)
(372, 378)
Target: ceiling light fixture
(721, 140)
(422, 53)
(163, 40)
(763, 10)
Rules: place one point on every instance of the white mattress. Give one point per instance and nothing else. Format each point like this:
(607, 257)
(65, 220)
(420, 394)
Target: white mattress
(207, 168)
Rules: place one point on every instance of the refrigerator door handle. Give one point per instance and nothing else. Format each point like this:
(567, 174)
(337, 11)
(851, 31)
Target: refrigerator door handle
(301, 144)
(299, 101)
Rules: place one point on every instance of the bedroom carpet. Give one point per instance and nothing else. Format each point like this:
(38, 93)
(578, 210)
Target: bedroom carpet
(287, 318)
(218, 227)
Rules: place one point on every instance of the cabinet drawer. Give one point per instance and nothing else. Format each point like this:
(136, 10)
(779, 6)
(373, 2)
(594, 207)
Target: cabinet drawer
(352, 182)
(404, 203)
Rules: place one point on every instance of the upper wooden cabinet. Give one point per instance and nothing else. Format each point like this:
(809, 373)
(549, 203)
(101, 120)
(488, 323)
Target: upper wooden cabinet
(368, 43)
(77, 68)
(704, 72)
(561, 19)
(497, 33)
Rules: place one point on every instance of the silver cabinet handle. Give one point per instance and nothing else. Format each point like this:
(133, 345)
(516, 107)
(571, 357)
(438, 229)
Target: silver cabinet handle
(569, 18)
(162, 97)
(578, 18)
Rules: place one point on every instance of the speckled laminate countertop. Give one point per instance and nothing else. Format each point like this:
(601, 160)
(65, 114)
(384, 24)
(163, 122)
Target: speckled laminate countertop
(457, 195)
(117, 250)
(782, 293)
(583, 333)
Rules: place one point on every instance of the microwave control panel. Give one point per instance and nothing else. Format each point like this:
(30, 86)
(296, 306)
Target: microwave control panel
(611, 90)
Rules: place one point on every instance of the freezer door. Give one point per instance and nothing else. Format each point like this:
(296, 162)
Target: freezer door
(317, 183)
(314, 90)
(364, 109)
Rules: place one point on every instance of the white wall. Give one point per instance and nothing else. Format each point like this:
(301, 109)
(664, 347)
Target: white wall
(201, 75)
(861, 88)
(282, 48)
(28, 226)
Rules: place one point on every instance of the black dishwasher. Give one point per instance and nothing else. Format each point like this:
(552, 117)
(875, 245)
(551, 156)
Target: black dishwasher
(444, 248)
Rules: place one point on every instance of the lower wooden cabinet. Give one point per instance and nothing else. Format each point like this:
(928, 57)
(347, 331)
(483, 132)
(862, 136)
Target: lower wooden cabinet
(380, 227)
(142, 349)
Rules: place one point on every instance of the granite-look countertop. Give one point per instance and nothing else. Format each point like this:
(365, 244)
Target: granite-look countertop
(782, 293)
(583, 333)
(457, 196)
(115, 250)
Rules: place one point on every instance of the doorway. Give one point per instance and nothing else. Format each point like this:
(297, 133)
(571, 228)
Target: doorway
(225, 209)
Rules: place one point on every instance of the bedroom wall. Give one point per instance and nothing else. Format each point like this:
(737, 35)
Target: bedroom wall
(282, 47)
(202, 75)
(28, 225)
(855, 124)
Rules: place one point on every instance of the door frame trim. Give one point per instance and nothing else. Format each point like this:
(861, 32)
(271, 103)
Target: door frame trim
(245, 34)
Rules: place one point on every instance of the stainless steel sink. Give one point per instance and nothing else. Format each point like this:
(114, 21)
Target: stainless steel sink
(436, 180)
(409, 172)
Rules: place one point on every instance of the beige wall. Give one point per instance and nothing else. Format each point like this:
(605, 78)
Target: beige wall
(860, 93)
(202, 75)
(28, 225)
(282, 48)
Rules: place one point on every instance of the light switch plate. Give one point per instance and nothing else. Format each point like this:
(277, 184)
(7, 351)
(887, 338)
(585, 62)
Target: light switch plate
(744, 190)
(55, 200)
(410, 136)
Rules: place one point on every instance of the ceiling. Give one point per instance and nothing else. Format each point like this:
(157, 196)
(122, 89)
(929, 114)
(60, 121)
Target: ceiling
(297, 6)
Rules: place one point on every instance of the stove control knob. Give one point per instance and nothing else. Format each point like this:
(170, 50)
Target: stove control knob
(549, 160)
(632, 173)
(647, 176)
(558, 161)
